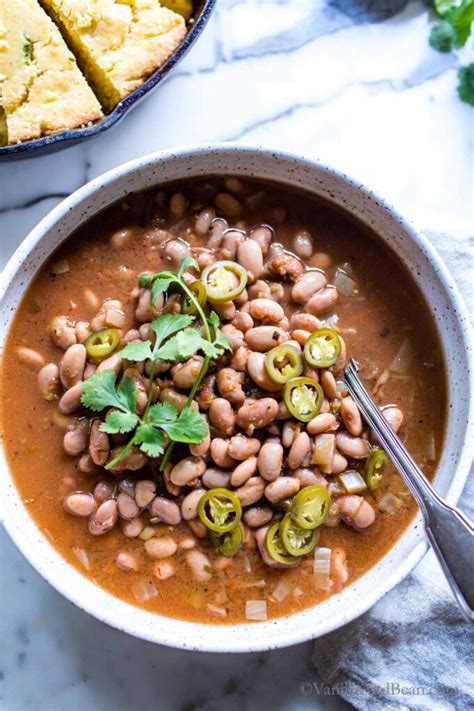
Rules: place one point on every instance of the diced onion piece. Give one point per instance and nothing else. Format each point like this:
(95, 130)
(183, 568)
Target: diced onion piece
(247, 565)
(402, 361)
(217, 611)
(389, 503)
(323, 449)
(114, 318)
(330, 321)
(281, 591)
(343, 283)
(352, 482)
(341, 387)
(298, 592)
(82, 557)
(143, 590)
(60, 267)
(148, 532)
(256, 610)
(256, 584)
(322, 568)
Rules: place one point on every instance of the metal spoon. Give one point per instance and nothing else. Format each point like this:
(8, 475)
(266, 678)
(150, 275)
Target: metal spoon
(449, 531)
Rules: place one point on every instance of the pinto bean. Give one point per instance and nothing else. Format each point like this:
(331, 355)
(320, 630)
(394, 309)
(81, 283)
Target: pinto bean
(251, 491)
(244, 471)
(76, 438)
(103, 490)
(352, 447)
(178, 204)
(312, 281)
(226, 310)
(323, 301)
(203, 221)
(229, 383)
(270, 460)
(30, 357)
(305, 321)
(80, 504)
(201, 449)
(241, 447)
(299, 450)
(309, 477)
(341, 361)
(216, 478)
(230, 242)
(189, 505)
(257, 371)
(266, 310)
(228, 205)
(110, 313)
(300, 336)
(328, 384)
(179, 400)
(339, 463)
(82, 330)
(257, 414)
(126, 562)
(263, 338)
(263, 235)
(133, 460)
(356, 511)
(71, 367)
(166, 510)
(200, 565)
(63, 334)
(113, 362)
(260, 290)
(48, 381)
(220, 453)
(186, 470)
(290, 431)
(104, 518)
(235, 336)
(205, 395)
(303, 244)
(145, 491)
(351, 416)
(282, 488)
(222, 416)
(164, 569)
(145, 311)
(257, 516)
(174, 251)
(324, 422)
(394, 417)
(71, 399)
(185, 374)
(163, 547)
(249, 255)
(285, 265)
(242, 321)
(99, 444)
(126, 506)
(133, 528)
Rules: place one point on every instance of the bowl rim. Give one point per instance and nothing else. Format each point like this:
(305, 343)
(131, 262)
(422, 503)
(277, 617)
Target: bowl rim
(70, 136)
(292, 634)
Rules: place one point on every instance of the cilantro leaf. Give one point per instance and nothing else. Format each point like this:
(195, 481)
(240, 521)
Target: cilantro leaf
(442, 36)
(160, 286)
(442, 7)
(99, 392)
(138, 351)
(182, 346)
(119, 422)
(190, 427)
(168, 324)
(151, 440)
(162, 412)
(466, 84)
(127, 394)
(187, 262)
(461, 19)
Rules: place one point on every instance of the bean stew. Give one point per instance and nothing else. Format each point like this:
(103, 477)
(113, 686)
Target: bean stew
(174, 412)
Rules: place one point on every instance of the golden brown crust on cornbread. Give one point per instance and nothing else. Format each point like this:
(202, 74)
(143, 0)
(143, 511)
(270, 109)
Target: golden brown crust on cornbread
(42, 88)
(118, 44)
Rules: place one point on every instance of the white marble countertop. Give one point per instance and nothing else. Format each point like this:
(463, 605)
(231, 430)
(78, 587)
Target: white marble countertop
(336, 80)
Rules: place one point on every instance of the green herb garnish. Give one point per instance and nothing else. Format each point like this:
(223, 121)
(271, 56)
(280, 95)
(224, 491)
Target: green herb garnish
(452, 31)
(27, 50)
(176, 340)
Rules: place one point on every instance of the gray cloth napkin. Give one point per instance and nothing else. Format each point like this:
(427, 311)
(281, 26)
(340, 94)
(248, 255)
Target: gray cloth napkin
(413, 649)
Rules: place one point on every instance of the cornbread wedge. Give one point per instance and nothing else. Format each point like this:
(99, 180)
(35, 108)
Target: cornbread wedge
(117, 44)
(41, 87)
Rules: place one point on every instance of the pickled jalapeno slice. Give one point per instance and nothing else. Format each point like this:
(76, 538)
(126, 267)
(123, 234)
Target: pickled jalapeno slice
(323, 348)
(303, 397)
(283, 363)
(224, 281)
(220, 510)
(103, 343)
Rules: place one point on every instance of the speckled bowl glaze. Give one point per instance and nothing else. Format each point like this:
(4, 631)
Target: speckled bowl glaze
(444, 302)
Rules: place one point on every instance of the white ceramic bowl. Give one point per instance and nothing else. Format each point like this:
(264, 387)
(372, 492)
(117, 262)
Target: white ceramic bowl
(446, 307)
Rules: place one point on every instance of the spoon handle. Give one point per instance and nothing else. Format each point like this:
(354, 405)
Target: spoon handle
(449, 531)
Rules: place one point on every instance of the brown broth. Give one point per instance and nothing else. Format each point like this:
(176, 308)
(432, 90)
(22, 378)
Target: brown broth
(388, 309)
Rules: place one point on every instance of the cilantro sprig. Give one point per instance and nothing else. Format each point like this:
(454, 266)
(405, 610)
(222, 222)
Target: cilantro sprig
(176, 340)
(452, 31)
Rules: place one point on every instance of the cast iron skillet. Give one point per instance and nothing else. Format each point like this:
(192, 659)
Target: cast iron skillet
(69, 137)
